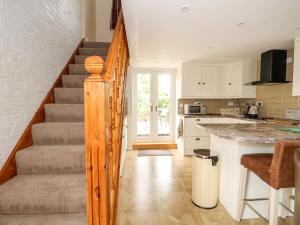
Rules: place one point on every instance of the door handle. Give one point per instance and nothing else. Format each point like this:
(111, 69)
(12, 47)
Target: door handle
(151, 108)
(156, 108)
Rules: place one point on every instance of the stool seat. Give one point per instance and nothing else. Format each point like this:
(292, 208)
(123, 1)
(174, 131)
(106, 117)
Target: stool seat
(277, 170)
(260, 164)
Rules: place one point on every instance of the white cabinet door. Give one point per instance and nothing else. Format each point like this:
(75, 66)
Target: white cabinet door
(225, 81)
(236, 80)
(191, 79)
(210, 81)
(296, 76)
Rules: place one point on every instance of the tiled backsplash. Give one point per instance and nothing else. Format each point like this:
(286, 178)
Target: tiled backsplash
(214, 105)
(277, 98)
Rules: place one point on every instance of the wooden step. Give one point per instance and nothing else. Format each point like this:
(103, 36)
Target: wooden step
(154, 145)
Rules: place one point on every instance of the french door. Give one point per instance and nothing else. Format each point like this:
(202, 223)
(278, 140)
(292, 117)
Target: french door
(154, 103)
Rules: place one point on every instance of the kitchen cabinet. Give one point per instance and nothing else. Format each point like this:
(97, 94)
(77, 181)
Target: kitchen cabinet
(195, 136)
(191, 81)
(296, 74)
(200, 81)
(210, 81)
(219, 81)
(230, 80)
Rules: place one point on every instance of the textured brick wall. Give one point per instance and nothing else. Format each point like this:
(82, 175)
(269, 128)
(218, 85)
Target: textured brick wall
(37, 37)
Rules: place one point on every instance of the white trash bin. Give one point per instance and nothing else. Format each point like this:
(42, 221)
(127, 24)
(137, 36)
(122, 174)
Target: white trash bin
(205, 179)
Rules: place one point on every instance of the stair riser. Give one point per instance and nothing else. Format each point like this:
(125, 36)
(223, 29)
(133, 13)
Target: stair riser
(50, 161)
(82, 59)
(79, 69)
(68, 95)
(64, 113)
(93, 51)
(62, 134)
(96, 44)
(73, 81)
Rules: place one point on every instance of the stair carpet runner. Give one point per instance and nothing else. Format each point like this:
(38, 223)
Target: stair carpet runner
(50, 186)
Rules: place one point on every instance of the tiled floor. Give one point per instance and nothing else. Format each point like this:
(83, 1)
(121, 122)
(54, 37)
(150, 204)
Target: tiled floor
(157, 191)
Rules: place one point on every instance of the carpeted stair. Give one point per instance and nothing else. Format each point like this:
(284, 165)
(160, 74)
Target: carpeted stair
(50, 186)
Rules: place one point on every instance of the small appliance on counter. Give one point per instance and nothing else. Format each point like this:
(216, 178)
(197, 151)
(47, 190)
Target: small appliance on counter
(252, 111)
(193, 109)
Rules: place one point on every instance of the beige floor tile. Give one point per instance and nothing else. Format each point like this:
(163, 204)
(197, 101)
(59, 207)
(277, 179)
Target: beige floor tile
(157, 191)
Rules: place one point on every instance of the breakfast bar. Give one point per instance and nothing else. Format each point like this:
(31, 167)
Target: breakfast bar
(230, 142)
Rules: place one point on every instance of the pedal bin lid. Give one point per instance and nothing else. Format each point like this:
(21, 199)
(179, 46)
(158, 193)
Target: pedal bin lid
(205, 154)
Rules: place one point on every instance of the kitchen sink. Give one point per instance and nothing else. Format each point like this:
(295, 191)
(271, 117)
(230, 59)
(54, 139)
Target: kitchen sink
(290, 129)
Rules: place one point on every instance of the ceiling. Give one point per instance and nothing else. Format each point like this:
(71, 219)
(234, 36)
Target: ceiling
(157, 29)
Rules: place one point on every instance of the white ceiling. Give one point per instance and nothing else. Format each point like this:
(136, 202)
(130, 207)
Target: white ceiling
(157, 29)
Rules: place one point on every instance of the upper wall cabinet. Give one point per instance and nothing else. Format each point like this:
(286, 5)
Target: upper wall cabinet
(296, 74)
(200, 81)
(219, 81)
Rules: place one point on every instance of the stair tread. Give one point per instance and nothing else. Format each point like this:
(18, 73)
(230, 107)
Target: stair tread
(55, 133)
(73, 81)
(45, 219)
(68, 95)
(85, 69)
(43, 194)
(87, 59)
(93, 44)
(94, 51)
(64, 112)
(51, 159)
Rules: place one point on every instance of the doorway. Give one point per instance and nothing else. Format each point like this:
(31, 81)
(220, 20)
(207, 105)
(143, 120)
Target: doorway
(154, 105)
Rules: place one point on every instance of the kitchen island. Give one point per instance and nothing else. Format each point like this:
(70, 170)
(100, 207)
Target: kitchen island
(230, 142)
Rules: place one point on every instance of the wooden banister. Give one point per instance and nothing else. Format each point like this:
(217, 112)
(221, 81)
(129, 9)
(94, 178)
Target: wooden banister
(104, 96)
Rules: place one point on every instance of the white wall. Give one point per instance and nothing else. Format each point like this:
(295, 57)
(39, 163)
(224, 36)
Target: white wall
(103, 14)
(37, 38)
(96, 16)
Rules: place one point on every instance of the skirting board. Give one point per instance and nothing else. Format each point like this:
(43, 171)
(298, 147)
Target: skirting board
(9, 169)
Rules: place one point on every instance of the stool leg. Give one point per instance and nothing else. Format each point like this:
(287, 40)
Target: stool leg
(274, 207)
(242, 192)
(284, 197)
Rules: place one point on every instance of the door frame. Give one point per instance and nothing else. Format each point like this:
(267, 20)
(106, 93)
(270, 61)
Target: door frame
(152, 137)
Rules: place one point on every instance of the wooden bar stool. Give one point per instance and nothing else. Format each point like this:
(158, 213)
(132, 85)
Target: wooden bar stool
(277, 170)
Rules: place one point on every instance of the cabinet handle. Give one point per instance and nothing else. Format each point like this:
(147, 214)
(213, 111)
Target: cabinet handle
(197, 139)
(203, 83)
(198, 120)
(199, 83)
(229, 83)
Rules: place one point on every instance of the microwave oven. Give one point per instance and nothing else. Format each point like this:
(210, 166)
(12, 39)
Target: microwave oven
(193, 109)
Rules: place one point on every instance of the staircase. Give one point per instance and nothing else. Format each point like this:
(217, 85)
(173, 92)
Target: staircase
(50, 186)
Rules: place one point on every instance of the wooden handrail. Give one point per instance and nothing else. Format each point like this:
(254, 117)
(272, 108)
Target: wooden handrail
(104, 96)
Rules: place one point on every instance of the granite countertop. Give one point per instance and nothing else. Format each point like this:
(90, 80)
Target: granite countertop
(252, 133)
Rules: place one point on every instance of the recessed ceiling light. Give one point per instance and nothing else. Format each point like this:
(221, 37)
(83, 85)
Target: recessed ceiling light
(184, 8)
(241, 23)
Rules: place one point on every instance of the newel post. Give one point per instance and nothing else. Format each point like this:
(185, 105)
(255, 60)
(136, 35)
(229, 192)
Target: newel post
(97, 150)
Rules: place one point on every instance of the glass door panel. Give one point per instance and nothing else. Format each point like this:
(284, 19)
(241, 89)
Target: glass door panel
(143, 105)
(154, 105)
(163, 104)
